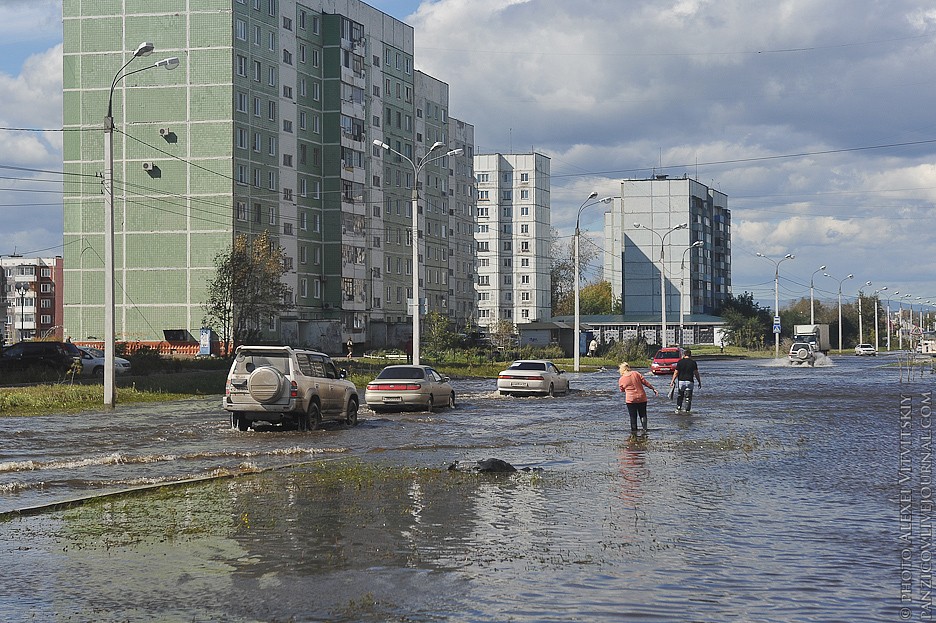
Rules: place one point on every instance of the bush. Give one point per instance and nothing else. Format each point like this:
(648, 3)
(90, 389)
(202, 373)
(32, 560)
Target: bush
(631, 350)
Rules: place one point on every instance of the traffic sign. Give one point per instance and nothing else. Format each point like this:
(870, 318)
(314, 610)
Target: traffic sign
(776, 328)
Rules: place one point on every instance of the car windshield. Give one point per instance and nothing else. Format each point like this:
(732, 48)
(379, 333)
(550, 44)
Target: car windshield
(403, 372)
(248, 361)
(527, 365)
(94, 352)
(667, 354)
(864, 346)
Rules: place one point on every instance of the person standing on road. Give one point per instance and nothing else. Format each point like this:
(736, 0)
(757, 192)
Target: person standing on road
(350, 348)
(593, 348)
(632, 383)
(686, 370)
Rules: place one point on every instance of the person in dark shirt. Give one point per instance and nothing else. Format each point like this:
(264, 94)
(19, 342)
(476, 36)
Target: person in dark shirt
(686, 370)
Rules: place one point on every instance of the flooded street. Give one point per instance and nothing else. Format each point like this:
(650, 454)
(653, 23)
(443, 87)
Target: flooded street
(778, 499)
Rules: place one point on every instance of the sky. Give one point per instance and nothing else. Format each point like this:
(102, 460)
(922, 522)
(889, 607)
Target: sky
(815, 117)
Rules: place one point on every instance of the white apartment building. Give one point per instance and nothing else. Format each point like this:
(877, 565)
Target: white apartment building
(512, 238)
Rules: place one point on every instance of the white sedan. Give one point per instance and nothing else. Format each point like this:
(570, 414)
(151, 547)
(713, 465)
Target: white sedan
(865, 349)
(92, 362)
(532, 376)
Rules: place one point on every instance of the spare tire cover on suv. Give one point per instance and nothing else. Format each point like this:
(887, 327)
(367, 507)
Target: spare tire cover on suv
(266, 384)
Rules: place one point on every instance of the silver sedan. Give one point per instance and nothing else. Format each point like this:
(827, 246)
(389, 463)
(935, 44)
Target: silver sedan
(532, 376)
(409, 388)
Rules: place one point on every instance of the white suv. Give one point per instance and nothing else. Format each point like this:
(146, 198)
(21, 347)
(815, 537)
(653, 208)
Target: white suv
(802, 352)
(282, 385)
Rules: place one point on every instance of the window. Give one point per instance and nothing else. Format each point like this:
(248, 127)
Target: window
(287, 229)
(287, 91)
(242, 174)
(271, 144)
(240, 29)
(524, 177)
(271, 76)
(45, 303)
(303, 255)
(241, 210)
(287, 126)
(242, 102)
(302, 120)
(257, 107)
(287, 160)
(45, 319)
(242, 66)
(272, 216)
(287, 23)
(303, 189)
(258, 71)
(302, 53)
(257, 142)
(242, 138)
(271, 109)
(287, 57)
(316, 57)
(271, 180)
(258, 35)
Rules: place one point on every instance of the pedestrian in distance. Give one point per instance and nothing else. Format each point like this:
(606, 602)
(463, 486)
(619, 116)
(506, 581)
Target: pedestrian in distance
(632, 383)
(350, 348)
(686, 371)
(593, 347)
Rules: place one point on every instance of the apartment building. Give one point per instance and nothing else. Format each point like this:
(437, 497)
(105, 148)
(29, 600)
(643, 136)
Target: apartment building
(697, 279)
(512, 238)
(267, 124)
(30, 298)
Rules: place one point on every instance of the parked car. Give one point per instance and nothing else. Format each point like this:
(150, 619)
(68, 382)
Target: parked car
(56, 356)
(865, 349)
(92, 362)
(283, 385)
(665, 360)
(401, 387)
(802, 352)
(532, 376)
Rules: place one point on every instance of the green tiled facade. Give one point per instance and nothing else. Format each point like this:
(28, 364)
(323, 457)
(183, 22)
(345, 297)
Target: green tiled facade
(267, 124)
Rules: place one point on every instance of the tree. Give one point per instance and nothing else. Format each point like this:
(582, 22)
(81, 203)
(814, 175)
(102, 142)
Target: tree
(247, 290)
(438, 333)
(562, 271)
(746, 322)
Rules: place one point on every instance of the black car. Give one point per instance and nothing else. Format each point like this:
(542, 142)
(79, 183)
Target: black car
(58, 356)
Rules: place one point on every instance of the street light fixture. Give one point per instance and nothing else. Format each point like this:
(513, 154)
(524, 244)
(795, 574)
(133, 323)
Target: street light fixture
(860, 320)
(895, 293)
(662, 238)
(850, 276)
(682, 286)
(576, 348)
(144, 49)
(417, 167)
(812, 303)
(876, 326)
(900, 321)
(22, 288)
(776, 263)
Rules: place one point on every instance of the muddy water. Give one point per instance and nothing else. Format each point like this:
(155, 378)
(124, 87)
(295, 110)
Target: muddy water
(777, 500)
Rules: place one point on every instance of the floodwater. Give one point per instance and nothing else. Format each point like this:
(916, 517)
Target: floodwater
(781, 498)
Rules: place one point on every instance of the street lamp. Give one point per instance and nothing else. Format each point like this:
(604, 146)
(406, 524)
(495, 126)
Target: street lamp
(896, 292)
(417, 167)
(22, 288)
(662, 238)
(850, 276)
(144, 49)
(860, 320)
(877, 329)
(900, 320)
(812, 303)
(578, 328)
(788, 256)
(682, 285)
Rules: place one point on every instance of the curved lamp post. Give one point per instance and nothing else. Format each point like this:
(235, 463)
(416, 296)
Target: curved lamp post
(876, 305)
(860, 319)
(900, 319)
(776, 263)
(812, 303)
(22, 288)
(578, 325)
(417, 167)
(850, 276)
(144, 49)
(682, 285)
(662, 238)
(889, 331)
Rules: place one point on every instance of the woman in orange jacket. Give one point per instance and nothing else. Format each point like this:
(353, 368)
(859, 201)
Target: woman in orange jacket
(632, 383)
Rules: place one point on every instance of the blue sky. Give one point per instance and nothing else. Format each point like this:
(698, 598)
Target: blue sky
(815, 118)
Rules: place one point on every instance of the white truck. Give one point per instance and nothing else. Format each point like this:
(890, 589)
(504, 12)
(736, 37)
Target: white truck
(815, 334)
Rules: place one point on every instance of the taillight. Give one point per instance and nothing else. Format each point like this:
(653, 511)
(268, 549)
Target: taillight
(514, 377)
(293, 389)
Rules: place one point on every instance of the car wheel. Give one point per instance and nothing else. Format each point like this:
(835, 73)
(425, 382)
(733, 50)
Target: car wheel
(451, 402)
(302, 422)
(240, 422)
(430, 404)
(351, 419)
(98, 372)
(314, 415)
(552, 391)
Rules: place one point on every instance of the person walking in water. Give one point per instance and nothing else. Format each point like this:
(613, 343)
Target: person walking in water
(632, 383)
(686, 371)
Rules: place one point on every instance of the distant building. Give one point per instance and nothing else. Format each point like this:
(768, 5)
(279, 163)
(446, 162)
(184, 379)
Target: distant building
(513, 238)
(268, 124)
(696, 280)
(31, 298)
